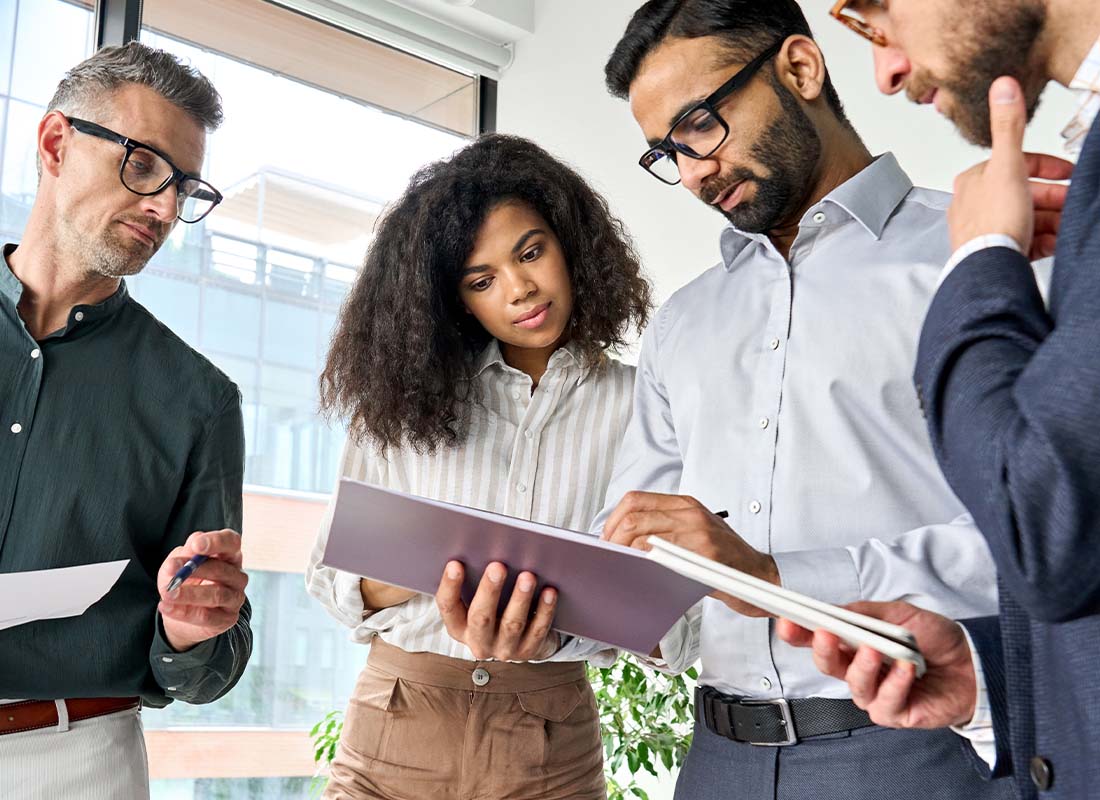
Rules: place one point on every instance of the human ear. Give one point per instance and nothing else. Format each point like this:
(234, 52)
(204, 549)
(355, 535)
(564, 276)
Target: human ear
(801, 67)
(52, 142)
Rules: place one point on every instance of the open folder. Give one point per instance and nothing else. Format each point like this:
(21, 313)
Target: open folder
(893, 641)
(606, 592)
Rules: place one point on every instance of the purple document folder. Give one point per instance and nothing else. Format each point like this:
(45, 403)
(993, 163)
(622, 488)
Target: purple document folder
(605, 592)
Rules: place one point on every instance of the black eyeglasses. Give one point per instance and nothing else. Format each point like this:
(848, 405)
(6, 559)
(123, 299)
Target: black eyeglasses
(701, 130)
(147, 171)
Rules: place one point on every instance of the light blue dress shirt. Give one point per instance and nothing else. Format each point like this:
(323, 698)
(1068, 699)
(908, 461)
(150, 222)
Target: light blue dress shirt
(781, 390)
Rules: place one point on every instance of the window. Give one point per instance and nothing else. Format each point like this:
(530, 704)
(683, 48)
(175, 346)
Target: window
(323, 128)
(311, 150)
(39, 41)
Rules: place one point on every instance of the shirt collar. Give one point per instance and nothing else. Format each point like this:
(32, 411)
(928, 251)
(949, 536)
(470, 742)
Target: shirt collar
(870, 197)
(565, 356)
(9, 284)
(79, 316)
(1086, 82)
(1088, 74)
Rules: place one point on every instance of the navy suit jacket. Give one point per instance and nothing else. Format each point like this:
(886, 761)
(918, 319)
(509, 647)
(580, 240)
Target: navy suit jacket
(1011, 392)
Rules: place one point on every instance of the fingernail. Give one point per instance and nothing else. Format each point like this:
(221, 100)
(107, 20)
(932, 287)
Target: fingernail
(1004, 91)
(548, 596)
(453, 571)
(494, 576)
(525, 584)
(200, 545)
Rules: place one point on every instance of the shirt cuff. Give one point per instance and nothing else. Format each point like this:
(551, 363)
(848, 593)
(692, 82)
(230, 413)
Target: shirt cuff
(197, 656)
(828, 575)
(680, 646)
(348, 595)
(973, 246)
(575, 648)
(980, 728)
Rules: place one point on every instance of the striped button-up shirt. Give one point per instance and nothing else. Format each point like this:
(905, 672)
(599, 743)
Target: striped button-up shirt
(544, 455)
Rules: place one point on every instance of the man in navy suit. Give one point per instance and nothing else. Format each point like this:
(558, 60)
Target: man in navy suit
(1010, 388)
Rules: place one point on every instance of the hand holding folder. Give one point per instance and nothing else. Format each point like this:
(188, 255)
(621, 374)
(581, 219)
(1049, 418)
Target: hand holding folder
(606, 592)
(893, 641)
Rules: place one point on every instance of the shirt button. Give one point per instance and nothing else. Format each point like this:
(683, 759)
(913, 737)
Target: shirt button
(515, 394)
(1042, 773)
(765, 684)
(819, 217)
(35, 353)
(16, 428)
(521, 488)
(79, 316)
(166, 659)
(755, 506)
(763, 422)
(529, 435)
(480, 676)
(774, 344)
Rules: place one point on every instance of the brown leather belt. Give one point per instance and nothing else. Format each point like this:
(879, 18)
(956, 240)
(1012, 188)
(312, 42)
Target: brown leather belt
(30, 715)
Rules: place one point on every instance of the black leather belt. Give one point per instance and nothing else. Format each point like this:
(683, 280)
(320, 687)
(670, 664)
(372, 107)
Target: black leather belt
(775, 722)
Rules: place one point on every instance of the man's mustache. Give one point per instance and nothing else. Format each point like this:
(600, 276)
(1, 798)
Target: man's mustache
(719, 185)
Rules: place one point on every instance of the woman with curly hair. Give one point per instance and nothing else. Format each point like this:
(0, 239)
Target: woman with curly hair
(471, 360)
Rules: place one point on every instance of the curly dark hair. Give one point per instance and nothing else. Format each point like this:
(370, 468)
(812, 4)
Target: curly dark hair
(401, 363)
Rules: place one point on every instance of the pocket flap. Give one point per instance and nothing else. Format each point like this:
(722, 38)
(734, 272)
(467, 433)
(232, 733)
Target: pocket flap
(554, 704)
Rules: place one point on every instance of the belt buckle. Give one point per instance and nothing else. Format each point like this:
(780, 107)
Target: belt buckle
(788, 720)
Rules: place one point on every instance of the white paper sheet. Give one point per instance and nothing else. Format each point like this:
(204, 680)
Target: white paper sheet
(54, 593)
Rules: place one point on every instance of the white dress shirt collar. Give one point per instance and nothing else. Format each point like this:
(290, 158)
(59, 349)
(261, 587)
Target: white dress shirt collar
(1087, 82)
(870, 197)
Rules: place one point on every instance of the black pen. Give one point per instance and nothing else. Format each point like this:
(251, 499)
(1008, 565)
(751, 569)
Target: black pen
(723, 513)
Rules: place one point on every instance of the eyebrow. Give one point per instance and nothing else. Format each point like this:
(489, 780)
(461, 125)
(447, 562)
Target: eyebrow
(685, 108)
(519, 245)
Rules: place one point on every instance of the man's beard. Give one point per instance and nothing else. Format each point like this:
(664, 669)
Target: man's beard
(789, 152)
(1001, 43)
(113, 255)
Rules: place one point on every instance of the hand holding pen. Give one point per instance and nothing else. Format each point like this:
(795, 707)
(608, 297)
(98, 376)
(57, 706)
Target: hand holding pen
(201, 588)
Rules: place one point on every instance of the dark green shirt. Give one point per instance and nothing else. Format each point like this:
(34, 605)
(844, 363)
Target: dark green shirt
(117, 441)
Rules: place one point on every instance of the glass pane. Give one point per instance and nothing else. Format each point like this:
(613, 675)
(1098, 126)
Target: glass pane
(183, 251)
(292, 274)
(234, 789)
(51, 37)
(273, 263)
(174, 302)
(20, 181)
(288, 435)
(279, 690)
(231, 322)
(290, 335)
(7, 41)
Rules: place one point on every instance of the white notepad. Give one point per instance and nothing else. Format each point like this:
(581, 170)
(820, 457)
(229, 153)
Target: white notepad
(893, 641)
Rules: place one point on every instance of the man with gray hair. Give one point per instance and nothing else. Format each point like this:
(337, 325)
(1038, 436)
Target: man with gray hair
(117, 440)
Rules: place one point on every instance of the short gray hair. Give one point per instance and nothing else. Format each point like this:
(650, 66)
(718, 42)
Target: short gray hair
(116, 66)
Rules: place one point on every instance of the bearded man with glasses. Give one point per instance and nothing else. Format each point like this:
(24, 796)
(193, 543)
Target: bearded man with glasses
(775, 386)
(117, 440)
(1011, 383)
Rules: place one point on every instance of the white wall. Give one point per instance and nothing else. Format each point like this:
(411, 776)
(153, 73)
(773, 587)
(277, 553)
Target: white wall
(554, 93)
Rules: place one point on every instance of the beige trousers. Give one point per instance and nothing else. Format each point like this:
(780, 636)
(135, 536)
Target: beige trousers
(425, 727)
(102, 758)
